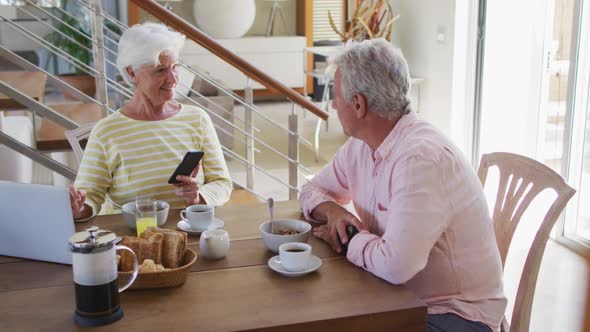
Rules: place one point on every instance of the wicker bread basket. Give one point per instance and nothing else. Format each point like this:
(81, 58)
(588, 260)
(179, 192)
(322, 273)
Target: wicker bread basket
(163, 279)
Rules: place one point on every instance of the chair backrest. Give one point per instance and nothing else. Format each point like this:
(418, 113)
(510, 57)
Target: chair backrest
(521, 180)
(75, 136)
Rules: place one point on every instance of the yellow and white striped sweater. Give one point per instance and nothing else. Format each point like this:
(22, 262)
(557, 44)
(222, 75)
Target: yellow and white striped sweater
(126, 158)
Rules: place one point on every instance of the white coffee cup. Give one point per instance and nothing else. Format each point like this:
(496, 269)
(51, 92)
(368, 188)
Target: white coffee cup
(295, 256)
(198, 216)
(214, 243)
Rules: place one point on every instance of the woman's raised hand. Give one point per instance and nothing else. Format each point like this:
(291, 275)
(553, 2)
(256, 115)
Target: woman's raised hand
(77, 199)
(189, 188)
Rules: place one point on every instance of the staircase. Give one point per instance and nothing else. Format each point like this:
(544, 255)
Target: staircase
(247, 134)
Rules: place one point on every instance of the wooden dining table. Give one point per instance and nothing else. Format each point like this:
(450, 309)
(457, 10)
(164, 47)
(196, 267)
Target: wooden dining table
(237, 293)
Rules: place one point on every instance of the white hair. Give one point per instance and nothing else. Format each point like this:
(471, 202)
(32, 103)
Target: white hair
(377, 70)
(142, 45)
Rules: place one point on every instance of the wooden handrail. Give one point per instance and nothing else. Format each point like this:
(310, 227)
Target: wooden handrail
(226, 55)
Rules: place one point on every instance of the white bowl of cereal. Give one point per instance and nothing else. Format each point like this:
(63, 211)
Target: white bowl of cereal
(286, 230)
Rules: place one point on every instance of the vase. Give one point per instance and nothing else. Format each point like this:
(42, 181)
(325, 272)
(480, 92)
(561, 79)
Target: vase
(224, 19)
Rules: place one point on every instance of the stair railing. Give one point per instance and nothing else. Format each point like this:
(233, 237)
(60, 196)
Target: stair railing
(249, 131)
(44, 111)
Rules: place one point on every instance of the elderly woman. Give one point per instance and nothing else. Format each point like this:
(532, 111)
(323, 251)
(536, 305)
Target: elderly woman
(133, 152)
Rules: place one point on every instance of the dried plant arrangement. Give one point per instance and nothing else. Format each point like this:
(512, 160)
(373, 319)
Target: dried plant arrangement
(371, 19)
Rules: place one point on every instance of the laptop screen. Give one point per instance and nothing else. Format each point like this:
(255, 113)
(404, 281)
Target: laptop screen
(35, 222)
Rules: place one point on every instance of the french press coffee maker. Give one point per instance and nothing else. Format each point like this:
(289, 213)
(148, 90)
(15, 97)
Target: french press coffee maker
(95, 276)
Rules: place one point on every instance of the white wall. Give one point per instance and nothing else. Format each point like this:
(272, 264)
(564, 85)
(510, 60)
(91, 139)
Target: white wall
(512, 68)
(438, 41)
(415, 32)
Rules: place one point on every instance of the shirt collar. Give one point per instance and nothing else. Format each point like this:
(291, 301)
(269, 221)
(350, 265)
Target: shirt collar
(395, 135)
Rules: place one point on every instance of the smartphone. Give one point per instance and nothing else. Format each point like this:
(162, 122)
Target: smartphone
(351, 231)
(187, 165)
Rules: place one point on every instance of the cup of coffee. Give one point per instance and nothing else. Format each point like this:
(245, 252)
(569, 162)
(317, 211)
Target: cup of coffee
(198, 216)
(295, 256)
(214, 243)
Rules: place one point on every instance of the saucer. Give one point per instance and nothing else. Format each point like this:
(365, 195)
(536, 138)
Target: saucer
(275, 264)
(185, 226)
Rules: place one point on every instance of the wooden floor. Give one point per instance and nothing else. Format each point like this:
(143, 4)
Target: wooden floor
(560, 297)
(242, 197)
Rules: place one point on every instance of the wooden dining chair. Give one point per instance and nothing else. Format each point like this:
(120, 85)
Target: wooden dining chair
(521, 180)
(76, 136)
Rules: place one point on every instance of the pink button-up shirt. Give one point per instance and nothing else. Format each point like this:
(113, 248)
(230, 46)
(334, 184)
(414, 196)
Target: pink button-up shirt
(429, 223)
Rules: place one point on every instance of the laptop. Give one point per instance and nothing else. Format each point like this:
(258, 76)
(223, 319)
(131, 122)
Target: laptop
(35, 222)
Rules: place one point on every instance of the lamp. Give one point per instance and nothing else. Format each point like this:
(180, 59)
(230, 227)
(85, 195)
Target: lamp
(276, 7)
(224, 19)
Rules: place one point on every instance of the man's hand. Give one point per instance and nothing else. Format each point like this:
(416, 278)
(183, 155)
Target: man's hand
(337, 218)
(189, 188)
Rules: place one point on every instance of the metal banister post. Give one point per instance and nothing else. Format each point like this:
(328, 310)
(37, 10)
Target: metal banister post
(293, 154)
(98, 57)
(249, 123)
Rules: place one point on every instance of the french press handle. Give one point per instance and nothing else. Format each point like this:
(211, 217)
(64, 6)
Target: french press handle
(135, 267)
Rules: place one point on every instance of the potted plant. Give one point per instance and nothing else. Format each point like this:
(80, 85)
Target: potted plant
(80, 33)
(370, 19)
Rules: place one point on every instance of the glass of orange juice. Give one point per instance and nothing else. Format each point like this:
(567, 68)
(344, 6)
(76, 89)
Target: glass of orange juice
(145, 214)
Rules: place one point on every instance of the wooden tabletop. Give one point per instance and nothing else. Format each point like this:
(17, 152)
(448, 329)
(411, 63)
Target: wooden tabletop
(238, 292)
(30, 83)
(50, 136)
(241, 221)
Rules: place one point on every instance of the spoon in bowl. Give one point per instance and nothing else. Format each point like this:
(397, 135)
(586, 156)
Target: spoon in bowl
(117, 205)
(271, 204)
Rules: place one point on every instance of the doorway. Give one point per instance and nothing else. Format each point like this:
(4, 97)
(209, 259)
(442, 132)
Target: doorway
(533, 95)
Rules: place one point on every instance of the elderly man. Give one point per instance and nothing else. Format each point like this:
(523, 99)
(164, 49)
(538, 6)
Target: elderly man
(423, 220)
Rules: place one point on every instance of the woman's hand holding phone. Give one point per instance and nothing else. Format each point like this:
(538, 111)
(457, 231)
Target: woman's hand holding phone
(185, 178)
(188, 188)
(187, 166)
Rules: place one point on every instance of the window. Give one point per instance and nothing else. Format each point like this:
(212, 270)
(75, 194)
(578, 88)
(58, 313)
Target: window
(12, 3)
(49, 3)
(322, 29)
(42, 3)
(535, 98)
(577, 124)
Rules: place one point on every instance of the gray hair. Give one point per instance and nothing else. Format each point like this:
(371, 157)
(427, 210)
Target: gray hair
(142, 45)
(377, 70)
